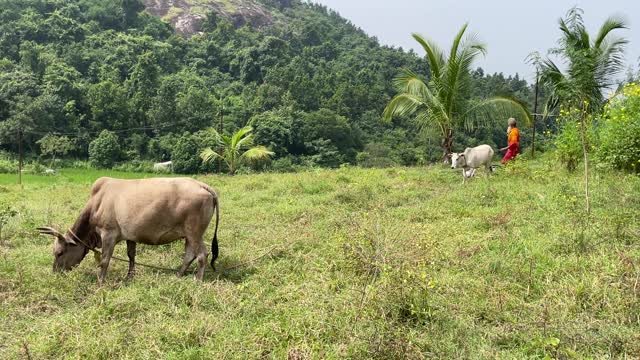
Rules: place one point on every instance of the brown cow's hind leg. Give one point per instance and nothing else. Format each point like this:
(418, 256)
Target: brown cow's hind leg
(189, 256)
(202, 259)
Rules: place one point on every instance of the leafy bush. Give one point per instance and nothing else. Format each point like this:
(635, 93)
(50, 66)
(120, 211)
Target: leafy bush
(139, 166)
(104, 151)
(161, 148)
(55, 145)
(8, 166)
(274, 130)
(324, 153)
(6, 213)
(568, 142)
(79, 164)
(283, 165)
(185, 155)
(375, 155)
(620, 132)
(35, 168)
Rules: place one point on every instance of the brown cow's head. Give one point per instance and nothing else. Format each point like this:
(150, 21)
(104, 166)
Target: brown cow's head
(67, 253)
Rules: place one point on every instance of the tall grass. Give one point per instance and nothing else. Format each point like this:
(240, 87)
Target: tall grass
(355, 263)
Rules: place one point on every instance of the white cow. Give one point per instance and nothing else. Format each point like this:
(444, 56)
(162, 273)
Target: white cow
(163, 166)
(471, 159)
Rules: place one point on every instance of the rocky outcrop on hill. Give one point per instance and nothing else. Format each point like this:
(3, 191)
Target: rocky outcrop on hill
(187, 16)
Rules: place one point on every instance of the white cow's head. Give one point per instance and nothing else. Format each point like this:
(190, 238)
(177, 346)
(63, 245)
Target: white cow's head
(458, 160)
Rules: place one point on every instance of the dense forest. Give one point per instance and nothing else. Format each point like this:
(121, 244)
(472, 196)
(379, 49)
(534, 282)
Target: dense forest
(312, 85)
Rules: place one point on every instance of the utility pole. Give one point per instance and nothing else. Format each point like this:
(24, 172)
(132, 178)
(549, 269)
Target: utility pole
(20, 155)
(220, 130)
(535, 115)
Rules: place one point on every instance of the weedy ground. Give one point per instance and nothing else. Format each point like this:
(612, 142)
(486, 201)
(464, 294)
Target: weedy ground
(348, 263)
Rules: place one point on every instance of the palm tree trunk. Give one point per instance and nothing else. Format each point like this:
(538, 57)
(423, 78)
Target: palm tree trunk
(447, 145)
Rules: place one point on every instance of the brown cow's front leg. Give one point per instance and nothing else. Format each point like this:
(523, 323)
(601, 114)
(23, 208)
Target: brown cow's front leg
(131, 252)
(108, 244)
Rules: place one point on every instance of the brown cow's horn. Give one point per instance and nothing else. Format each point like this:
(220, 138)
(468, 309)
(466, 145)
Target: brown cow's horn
(47, 230)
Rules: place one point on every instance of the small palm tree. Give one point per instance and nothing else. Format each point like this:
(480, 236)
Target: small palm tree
(236, 149)
(591, 69)
(443, 102)
(591, 63)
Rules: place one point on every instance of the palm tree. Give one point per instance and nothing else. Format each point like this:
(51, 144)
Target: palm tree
(443, 101)
(236, 149)
(591, 65)
(591, 69)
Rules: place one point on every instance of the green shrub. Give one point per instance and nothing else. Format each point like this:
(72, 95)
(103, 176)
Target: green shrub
(324, 153)
(35, 168)
(104, 151)
(138, 166)
(185, 155)
(620, 132)
(161, 148)
(79, 164)
(8, 166)
(375, 156)
(568, 141)
(283, 165)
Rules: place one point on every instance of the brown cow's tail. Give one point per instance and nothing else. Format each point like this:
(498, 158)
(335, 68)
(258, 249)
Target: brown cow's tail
(214, 242)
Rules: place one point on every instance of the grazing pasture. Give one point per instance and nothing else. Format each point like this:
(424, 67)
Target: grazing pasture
(348, 263)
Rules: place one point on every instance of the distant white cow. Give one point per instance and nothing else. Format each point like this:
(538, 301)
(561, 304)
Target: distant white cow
(163, 166)
(471, 159)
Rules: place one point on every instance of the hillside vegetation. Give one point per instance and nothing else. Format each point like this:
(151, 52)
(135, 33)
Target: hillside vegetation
(311, 84)
(355, 263)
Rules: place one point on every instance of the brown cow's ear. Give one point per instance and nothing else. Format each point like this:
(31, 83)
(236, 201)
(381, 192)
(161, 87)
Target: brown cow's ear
(69, 241)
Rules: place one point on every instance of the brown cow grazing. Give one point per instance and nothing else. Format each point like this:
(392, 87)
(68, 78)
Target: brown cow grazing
(154, 211)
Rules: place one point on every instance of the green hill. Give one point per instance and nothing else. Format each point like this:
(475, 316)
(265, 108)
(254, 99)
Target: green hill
(187, 16)
(311, 83)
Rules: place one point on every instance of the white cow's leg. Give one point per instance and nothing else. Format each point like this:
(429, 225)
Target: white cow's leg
(472, 172)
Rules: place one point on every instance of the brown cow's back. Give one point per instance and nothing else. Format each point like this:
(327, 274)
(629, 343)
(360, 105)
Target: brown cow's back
(152, 211)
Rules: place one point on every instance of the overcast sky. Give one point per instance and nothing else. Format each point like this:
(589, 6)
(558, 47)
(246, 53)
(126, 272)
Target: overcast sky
(510, 28)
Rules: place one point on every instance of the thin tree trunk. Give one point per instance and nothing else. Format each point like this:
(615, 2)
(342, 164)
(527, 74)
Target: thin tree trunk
(20, 156)
(221, 131)
(447, 145)
(535, 116)
(585, 152)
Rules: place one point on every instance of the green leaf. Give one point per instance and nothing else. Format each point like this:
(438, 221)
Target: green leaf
(207, 155)
(553, 341)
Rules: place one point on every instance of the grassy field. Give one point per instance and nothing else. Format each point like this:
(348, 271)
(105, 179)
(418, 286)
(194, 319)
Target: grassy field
(351, 263)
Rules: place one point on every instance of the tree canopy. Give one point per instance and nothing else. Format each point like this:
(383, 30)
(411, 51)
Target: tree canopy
(311, 85)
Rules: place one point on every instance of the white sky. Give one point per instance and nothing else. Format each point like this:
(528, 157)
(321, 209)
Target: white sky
(511, 29)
